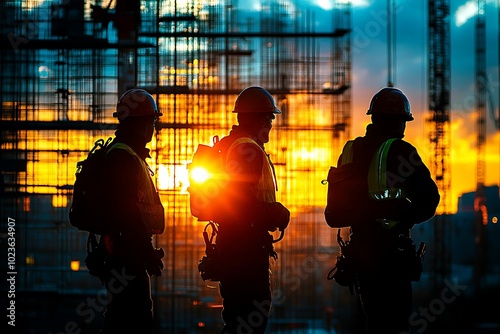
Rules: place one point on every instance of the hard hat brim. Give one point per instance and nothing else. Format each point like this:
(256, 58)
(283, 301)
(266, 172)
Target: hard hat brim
(406, 117)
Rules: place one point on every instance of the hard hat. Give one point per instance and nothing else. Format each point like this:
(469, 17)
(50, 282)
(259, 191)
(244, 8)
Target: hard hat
(255, 99)
(390, 101)
(136, 102)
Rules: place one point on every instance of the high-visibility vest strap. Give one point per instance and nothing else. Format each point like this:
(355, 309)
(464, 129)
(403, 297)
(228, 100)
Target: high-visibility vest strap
(265, 189)
(377, 175)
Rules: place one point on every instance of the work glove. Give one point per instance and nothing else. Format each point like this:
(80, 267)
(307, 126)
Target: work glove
(153, 262)
(278, 216)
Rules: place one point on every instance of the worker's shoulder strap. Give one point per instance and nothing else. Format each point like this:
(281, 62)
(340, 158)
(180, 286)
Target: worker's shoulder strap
(239, 141)
(122, 146)
(130, 150)
(350, 147)
(347, 152)
(378, 189)
(230, 147)
(377, 172)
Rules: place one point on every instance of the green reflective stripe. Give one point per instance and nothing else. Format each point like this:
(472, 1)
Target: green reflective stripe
(347, 152)
(377, 181)
(377, 175)
(382, 163)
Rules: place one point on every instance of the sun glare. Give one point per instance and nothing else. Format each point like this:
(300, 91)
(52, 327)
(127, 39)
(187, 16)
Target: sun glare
(199, 174)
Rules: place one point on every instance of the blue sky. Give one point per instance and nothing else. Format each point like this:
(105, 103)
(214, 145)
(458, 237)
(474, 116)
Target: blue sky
(369, 44)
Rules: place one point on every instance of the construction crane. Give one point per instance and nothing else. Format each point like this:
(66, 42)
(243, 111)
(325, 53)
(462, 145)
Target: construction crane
(439, 107)
(481, 93)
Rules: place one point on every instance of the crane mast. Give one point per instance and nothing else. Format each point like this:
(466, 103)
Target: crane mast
(481, 93)
(439, 107)
(391, 43)
(481, 89)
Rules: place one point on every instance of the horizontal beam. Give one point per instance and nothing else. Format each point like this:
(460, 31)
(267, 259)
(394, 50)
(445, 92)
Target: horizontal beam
(249, 34)
(87, 125)
(84, 42)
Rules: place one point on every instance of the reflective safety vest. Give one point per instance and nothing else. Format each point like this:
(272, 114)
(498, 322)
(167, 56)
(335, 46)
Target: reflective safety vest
(265, 189)
(150, 207)
(378, 190)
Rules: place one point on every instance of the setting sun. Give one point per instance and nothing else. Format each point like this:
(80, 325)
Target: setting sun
(199, 174)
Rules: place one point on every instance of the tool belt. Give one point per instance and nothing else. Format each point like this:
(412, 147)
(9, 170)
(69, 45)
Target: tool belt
(407, 259)
(403, 260)
(344, 271)
(209, 264)
(96, 260)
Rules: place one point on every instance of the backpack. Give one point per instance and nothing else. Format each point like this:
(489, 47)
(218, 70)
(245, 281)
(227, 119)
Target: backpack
(85, 207)
(347, 190)
(207, 179)
(86, 204)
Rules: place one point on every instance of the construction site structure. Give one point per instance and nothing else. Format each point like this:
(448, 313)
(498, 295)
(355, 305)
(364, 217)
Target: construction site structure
(63, 66)
(439, 88)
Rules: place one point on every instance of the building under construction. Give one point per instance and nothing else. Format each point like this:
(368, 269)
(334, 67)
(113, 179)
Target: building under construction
(65, 63)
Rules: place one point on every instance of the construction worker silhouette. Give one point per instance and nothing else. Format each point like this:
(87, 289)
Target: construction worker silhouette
(400, 193)
(133, 214)
(246, 214)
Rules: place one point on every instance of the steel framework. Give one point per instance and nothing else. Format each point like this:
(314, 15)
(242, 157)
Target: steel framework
(63, 65)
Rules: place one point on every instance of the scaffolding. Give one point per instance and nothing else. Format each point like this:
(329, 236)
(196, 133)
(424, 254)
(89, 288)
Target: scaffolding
(65, 63)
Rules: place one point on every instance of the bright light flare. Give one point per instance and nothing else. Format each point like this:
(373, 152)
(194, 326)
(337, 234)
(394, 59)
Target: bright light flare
(199, 174)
